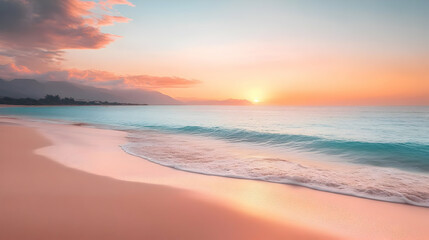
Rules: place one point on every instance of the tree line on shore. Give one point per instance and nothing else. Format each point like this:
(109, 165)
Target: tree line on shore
(55, 100)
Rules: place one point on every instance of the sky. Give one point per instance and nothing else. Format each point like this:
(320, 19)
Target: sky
(281, 52)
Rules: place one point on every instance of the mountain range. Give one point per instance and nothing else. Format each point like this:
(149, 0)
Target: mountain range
(30, 88)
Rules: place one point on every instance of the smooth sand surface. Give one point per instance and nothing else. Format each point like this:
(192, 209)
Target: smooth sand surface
(242, 209)
(41, 199)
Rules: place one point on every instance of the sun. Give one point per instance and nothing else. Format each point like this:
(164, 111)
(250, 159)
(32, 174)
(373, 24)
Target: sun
(255, 100)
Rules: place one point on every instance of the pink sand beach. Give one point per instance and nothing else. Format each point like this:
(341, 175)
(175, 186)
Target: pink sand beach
(62, 181)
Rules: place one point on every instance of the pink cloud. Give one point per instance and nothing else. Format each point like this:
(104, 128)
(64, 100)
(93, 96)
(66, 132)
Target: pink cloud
(96, 78)
(110, 20)
(111, 3)
(34, 33)
(42, 29)
(10, 71)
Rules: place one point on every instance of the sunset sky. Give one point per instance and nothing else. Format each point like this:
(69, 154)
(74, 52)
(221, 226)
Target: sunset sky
(333, 52)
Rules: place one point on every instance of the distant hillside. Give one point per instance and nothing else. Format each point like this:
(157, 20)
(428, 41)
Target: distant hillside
(30, 88)
(55, 100)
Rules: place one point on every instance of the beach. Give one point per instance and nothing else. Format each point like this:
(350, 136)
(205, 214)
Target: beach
(214, 120)
(74, 181)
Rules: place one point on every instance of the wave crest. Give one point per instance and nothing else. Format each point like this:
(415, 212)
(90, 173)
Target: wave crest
(217, 157)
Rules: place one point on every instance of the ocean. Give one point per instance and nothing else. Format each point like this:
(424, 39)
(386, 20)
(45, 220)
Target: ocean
(379, 153)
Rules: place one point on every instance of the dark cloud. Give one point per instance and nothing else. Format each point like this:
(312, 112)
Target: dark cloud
(34, 32)
(49, 24)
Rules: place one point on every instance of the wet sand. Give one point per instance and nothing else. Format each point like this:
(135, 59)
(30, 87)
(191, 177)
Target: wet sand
(81, 182)
(41, 199)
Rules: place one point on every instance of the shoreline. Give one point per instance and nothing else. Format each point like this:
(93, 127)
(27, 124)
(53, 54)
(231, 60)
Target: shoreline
(41, 199)
(268, 181)
(280, 203)
(316, 188)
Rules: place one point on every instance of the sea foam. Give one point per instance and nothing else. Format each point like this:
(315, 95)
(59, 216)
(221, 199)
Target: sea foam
(249, 161)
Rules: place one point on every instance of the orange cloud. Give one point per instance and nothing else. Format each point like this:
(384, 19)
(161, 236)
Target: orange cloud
(42, 29)
(111, 3)
(21, 69)
(97, 78)
(110, 20)
(34, 33)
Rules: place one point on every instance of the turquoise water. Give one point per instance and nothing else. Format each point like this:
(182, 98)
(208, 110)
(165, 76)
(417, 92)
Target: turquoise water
(374, 152)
